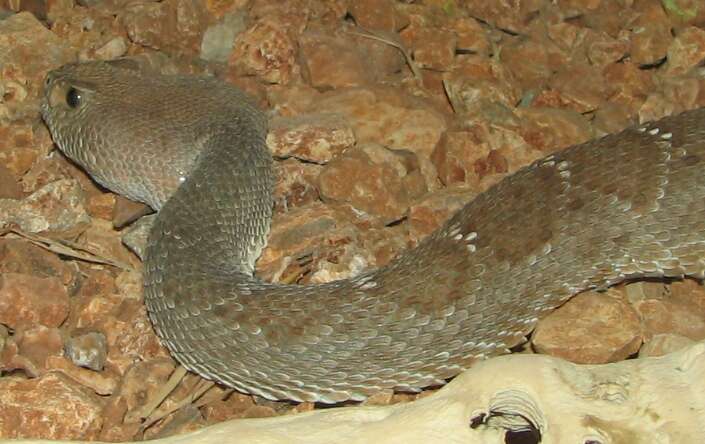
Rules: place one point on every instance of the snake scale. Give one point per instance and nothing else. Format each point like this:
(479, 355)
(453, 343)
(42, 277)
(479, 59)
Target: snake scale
(626, 205)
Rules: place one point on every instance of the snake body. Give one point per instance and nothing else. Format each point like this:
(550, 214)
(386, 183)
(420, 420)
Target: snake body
(624, 206)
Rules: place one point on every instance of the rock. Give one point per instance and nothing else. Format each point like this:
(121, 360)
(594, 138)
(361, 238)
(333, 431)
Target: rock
(386, 117)
(434, 48)
(219, 38)
(462, 157)
(51, 407)
(376, 15)
(26, 301)
(333, 62)
(176, 25)
(38, 344)
(101, 205)
(88, 350)
(296, 184)
(10, 187)
(135, 236)
(27, 51)
(100, 238)
(20, 256)
(579, 87)
(58, 206)
(649, 45)
(20, 148)
(142, 382)
(103, 383)
(591, 328)
(374, 180)
(471, 36)
(127, 211)
(296, 234)
(632, 84)
(566, 128)
(663, 344)
(123, 321)
(612, 118)
(663, 311)
(265, 50)
(314, 138)
(686, 51)
(513, 17)
(477, 84)
(530, 76)
(603, 50)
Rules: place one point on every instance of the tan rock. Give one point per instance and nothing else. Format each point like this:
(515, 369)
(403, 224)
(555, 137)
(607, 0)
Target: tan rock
(296, 184)
(603, 50)
(38, 345)
(141, 384)
(461, 157)
(531, 76)
(514, 17)
(580, 87)
(51, 406)
(27, 50)
(374, 180)
(303, 235)
(662, 312)
(19, 150)
(312, 137)
(686, 51)
(58, 206)
(100, 238)
(434, 48)
(612, 118)
(386, 117)
(663, 344)
(590, 328)
(650, 42)
(27, 300)
(126, 211)
(632, 85)
(124, 323)
(477, 83)
(332, 62)
(471, 36)
(548, 129)
(20, 256)
(103, 383)
(267, 51)
(376, 15)
(176, 25)
(10, 187)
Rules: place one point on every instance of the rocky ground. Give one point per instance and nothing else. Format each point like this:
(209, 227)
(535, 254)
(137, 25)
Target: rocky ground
(387, 116)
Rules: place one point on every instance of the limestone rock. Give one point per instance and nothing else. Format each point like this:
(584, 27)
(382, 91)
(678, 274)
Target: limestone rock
(27, 300)
(313, 138)
(591, 328)
(51, 406)
(58, 206)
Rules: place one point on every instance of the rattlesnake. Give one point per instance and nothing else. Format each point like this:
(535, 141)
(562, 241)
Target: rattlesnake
(626, 205)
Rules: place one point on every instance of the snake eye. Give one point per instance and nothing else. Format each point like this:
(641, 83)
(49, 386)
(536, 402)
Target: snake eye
(73, 98)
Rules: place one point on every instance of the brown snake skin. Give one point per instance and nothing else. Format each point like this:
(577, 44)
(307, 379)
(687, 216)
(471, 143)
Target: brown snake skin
(627, 205)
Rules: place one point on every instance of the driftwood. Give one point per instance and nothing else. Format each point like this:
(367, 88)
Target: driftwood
(531, 397)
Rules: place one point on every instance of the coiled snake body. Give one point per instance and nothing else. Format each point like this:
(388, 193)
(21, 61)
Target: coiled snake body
(626, 205)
